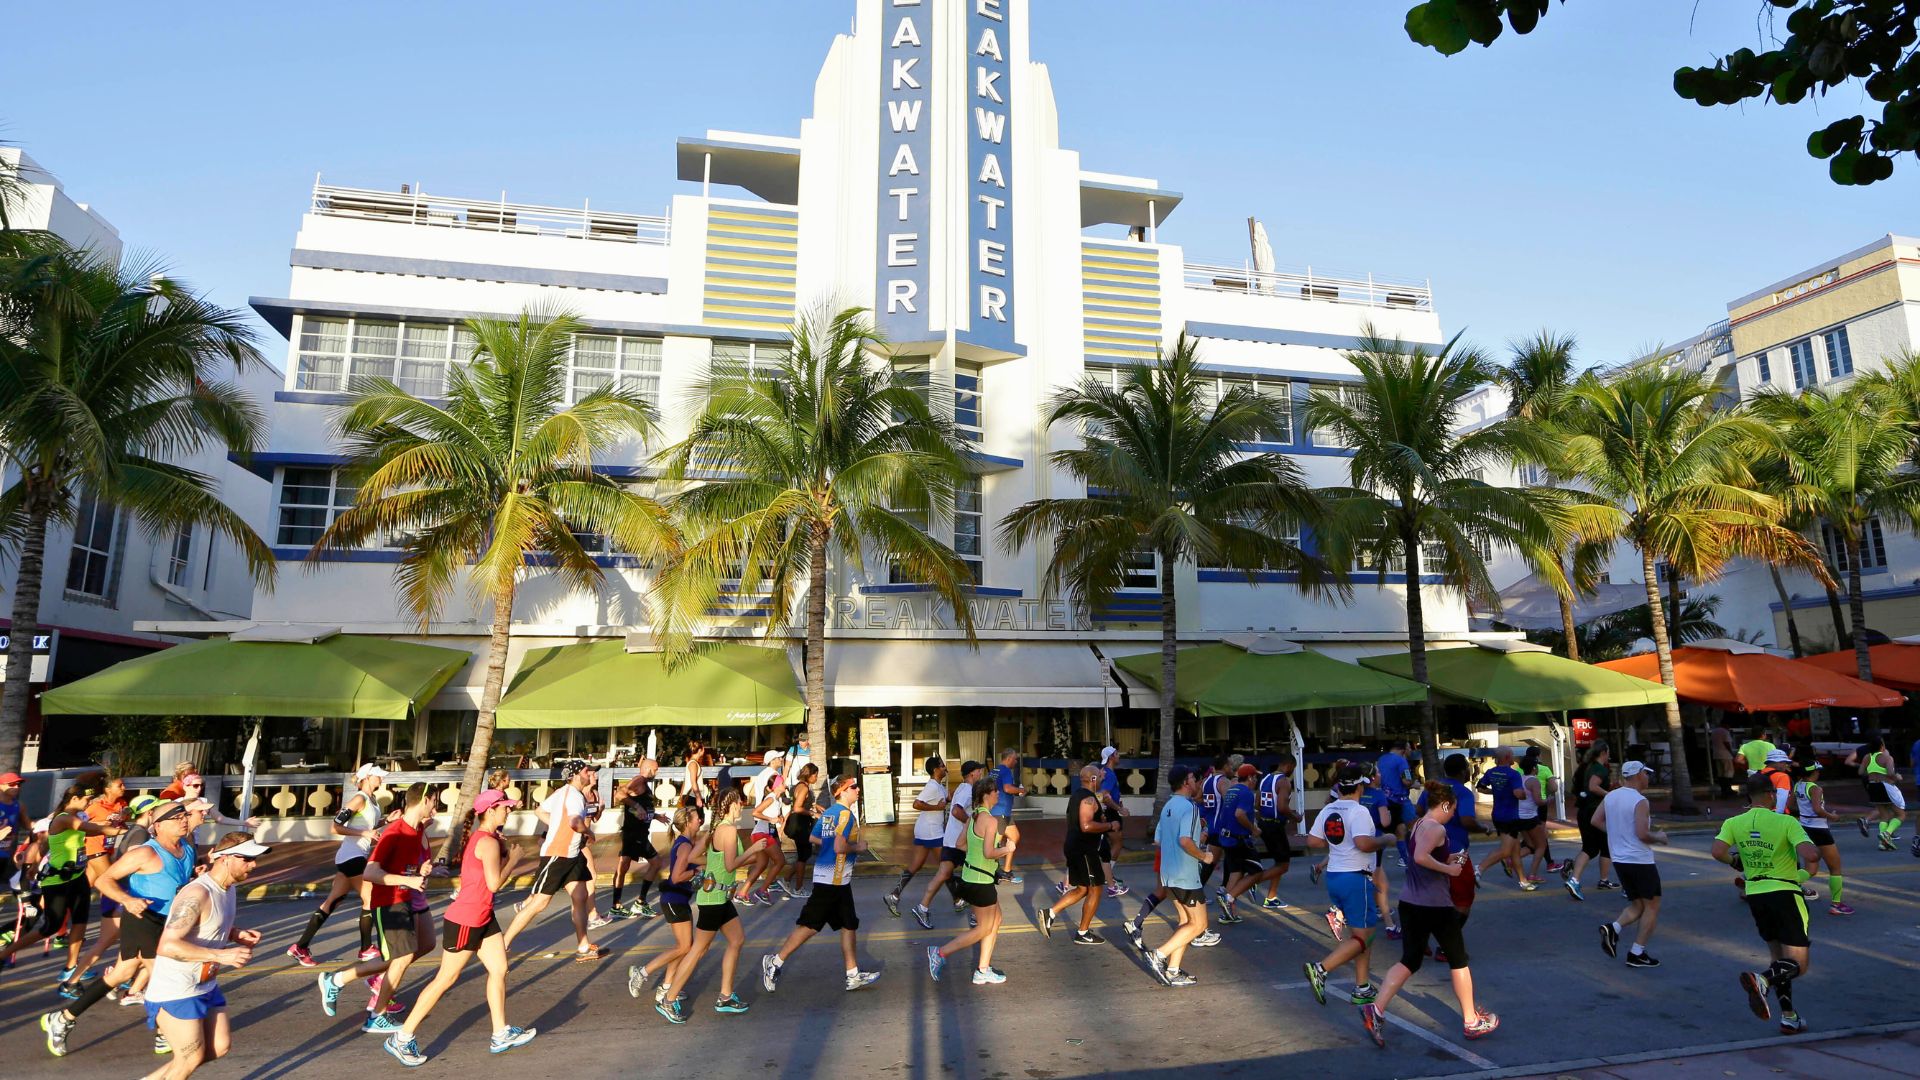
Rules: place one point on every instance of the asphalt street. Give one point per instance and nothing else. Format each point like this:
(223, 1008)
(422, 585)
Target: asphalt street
(1071, 1010)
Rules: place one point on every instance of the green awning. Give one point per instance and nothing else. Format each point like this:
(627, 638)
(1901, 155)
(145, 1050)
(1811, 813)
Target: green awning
(1504, 679)
(1263, 675)
(601, 684)
(346, 675)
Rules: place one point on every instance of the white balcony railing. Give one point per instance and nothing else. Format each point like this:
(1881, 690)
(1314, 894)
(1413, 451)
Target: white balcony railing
(1368, 291)
(419, 208)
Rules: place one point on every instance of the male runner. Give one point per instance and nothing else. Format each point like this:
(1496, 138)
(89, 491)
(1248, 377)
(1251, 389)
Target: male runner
(1624, 815)
(1775, 854)
(562, 864)
(953, 853)
(11, 838)
(831, 902)
(1085, 875)
(1751, 756)
(398, 863)
(1503, 782)
(1112, 809)
(1346, 830)
(1238, 805)
(1178, 834)
(1393, 768)
(184, 1003)
(929, 829)
(638, 811)
(1274, 816)
(1213, 792)
(1006, 777)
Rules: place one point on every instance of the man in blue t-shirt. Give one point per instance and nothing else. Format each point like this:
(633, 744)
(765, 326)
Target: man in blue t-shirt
(1505, 784)
(1178, 834)
(1006, 777)
(1465, 819)
(1393, 768)
(1239, 806)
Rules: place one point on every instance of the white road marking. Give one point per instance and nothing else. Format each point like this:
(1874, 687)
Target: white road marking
(1429, 1037)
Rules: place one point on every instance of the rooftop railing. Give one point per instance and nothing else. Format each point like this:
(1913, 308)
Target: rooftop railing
(416, 207)
(1306, 284)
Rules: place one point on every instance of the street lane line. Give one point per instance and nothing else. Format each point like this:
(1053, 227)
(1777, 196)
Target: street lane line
(1679, 1054)
(1429, 1037)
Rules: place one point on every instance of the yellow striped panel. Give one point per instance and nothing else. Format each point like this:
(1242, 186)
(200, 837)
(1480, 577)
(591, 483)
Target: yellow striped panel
(750, 273)
(1142, 318)
(722, 213)
(1149, 257)
(757, 272)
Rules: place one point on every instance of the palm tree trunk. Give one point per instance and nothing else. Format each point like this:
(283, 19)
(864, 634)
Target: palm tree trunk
(1663, 648)
(1786, 605)
(1417, 654)
(1567, 626)
(478, 753)
(16, 692)
(817, 646)
(1674, 596)
(1169, 651)
(1841, 639)
(1857, 607)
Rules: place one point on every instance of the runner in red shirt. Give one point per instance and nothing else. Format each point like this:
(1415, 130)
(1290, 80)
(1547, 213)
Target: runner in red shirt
(399, 862)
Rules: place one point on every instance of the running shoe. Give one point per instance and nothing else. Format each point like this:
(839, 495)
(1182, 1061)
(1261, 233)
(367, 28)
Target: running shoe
(731, 1005)
(770, 973)
(1439, 956)
(1088, 937)
(510, 1038)
(618, 912)
(784, 890)
(1610, 939)
(1229, 920)
(379, 1025)
(1863, 827)
(860, 980)
(660, 993)
(674, 1011)
(1393, 933)
(57, 1028)
(1047, 918)
(589, 954)
(1809, 891)
(66, 976)
(69, 990)
(1642, 960)
(1606, 883)
(1364, 994)
(371, 952)
(1061, 887)
(637, 977)
(959, 905)
(393, 1006)
(646, 911)
(988, 976)
(1839, 909)
(1913, 849)
(1885, 845)
(132, 997)
(373, 982)
(1573, 887)
(1756, 985)
(1316, 978)
(743, 900)
(1482, 1025)
(1117, 890)
(1132, 928)
(1337, 922)
(1560, 867)
(1791, 1024)
(922, 916)
(892, 900)
(1207, 940)
(329, 995)
(764, 898)
(1274, 903)
(59, 942)
(160, 1045)
(1159, 965)
(1529, 885)
(972, 920)
(1375, 1021)
(1226, 905)
(1177, 978)
(1015, 879)
(1507, 865)
(404, 1049)
(935, 962)
(301, 956)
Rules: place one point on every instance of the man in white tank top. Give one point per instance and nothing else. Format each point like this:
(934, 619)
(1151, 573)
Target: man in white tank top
(184, 1002)
(1625, 817)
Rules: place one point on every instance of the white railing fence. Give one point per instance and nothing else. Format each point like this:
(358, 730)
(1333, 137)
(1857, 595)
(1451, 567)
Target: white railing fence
(1306, 284)
(416, 207)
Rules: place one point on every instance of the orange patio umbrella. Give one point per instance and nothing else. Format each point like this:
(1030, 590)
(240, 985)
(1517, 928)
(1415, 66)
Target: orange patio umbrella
(1895, 664)
(1739, 677)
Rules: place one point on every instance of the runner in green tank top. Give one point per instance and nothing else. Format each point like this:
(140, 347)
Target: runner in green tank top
(1886, 805)
(1775, 854)
(977, 889)
(727, 852)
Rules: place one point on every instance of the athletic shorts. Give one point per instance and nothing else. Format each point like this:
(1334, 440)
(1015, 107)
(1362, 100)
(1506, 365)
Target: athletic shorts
(637, 846)
(457, 938)
(1638, 881)
(978, 894)
(1820, 837)
(197, 1007)
(65, 907)
(109, 907)
(803, 847)
(140, 935)
(712, 917)
(953, 855)
(1418, 922)
(556, 872)
(1083, 870)
(1513, 827)
(935, 842)
(1882, 793)
(1592, 841)
(389, 923)
(1187, 897)
(1397, 811)
(1240, 859)
(1273, 836)
(1352, 892)
(1781, 917)
(829, 905)
(354, 867)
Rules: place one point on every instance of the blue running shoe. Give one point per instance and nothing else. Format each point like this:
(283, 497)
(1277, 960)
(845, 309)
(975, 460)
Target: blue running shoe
(510, 1038)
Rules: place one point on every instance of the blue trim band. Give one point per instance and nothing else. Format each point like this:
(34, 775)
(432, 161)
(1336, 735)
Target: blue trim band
(916, 589)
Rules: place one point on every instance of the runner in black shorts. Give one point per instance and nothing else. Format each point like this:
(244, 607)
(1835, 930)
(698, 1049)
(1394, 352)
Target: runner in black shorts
(831, 902)
(979, 868)
(1814, 816)
(1595, 779)
(676, 902)
(1774, 853)
(1086, 879)
(638, 812)
(952, 844)
(727, 851)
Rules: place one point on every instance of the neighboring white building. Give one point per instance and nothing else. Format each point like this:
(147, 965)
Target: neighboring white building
(103, 575)
(930, 184)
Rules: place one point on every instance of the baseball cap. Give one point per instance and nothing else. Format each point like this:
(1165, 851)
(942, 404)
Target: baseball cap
(246, 849)
(1247, 772)
(489, 799)
(1777, 756)
(773, 756)
(1108, 753)
(369, 769)
(1632, 768)
(140, 805)
(9, 779)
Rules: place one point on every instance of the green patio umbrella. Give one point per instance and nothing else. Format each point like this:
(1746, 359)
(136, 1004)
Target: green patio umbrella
(1515, 677)
(601, 684)
(1241, 676)
(342, 675)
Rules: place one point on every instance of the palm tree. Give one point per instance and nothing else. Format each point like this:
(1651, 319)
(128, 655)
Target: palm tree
(1650, 442)
(1847, 463)
(1418, 496)
(495, 481)
(1163, 460)
(1770, 476)
(828, 454)
(108, 376)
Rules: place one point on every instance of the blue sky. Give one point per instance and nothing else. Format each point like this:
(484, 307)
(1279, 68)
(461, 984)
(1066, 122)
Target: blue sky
(1554, 180)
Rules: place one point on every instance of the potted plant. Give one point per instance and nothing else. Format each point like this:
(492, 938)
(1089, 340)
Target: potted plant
(128, 745)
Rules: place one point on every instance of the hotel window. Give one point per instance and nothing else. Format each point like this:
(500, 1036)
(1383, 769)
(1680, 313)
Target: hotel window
(428, 352)
(322, 360)
(1141, 571)
(595, 543)
(1766, 368)
(898, 574)
(916, 374)
(967, 518)
(1873, 547)
(1348, 394)
(90, 561)
(740, 359)
(1800, 354)
(1432, 553)
(335, 352)
(1278, 392)
(179, 555)
(602, 360)
(967, 392)
(1286, 530)
(1839, 352)
(309, 501)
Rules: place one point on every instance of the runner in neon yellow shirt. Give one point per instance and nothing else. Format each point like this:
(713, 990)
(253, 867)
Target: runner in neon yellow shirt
(1775, 854)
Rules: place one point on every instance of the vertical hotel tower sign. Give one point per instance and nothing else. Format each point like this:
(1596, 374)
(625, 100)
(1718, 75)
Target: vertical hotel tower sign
(906, 149)
(990, 164)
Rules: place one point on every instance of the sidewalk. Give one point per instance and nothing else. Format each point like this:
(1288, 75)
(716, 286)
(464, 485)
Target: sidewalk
(1887, 1052)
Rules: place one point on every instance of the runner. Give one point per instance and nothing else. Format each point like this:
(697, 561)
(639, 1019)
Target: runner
(1428, 910)
(638, 812)
(1779, 772)
(1113, 809)
(11, 840)
(144, 883)
(140, 812)
(1007, 776)
(1776, 855)
(471, 929)
(676, 902)
(1180, 836)
(65, 899)
(1817, 819)
(1595, 778)
(398, 862)
(1382, 815)
(978, 874)
(952, 844)
(831, 903)
(357, 823)
(1274, 809)
(185, 1007)
(1393, 767)
(1536, 782)
(108, 809)
(1751, 756)
(1882, 783)
(698, 760)
(1085, 873)
(726, 853)
(1504, 783)
(1213, 796)
(801, 817)
(929, 829)
(769, 818)
(1346, 830)
(1234, 839)
(1626, 817)
(562, 866)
